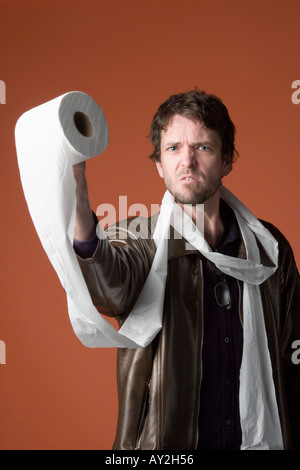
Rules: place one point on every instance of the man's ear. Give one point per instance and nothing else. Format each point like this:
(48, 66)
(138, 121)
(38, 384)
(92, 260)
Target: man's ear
(227, 167)
(159, 169)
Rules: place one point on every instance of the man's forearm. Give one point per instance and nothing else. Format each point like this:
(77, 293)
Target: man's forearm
(84, 221)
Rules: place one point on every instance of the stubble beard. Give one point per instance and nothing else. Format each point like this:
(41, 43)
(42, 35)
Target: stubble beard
(200, 196)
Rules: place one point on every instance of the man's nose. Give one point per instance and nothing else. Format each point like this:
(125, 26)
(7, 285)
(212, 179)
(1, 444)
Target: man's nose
(188, 157)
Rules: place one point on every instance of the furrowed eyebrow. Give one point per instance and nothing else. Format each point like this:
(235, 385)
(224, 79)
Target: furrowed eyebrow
(195, 144)
(204, 144)
(171, 144)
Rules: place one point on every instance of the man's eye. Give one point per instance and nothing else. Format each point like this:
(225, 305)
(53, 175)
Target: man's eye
(172, 149)
(203, 147)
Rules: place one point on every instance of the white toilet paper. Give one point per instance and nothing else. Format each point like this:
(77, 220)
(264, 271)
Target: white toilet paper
(49, 140)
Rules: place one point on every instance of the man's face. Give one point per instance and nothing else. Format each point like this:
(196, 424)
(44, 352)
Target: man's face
(191, 163)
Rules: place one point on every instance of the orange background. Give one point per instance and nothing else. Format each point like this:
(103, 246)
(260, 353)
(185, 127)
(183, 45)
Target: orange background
(129, 55)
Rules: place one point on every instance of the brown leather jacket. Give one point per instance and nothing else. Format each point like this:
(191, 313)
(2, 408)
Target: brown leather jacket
(158, 386)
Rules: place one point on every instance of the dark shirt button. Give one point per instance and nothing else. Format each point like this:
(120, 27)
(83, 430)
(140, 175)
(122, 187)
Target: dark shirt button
(228, 422)
(228, 381)
(226, 340)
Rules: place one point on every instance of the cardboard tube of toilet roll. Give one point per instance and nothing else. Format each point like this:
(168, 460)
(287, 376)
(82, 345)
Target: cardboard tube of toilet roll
(50, 139)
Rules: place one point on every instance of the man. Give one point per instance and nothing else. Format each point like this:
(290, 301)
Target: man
(197, 385)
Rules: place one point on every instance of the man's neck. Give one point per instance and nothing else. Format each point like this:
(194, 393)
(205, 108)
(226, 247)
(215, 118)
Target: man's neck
(210, 220)
(213, 230)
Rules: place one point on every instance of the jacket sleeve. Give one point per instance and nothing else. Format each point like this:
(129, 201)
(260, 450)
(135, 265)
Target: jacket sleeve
(117, 271)
(281, 300)
(290, 297)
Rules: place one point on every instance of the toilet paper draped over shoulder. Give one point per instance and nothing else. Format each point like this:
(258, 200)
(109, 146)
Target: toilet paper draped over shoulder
(50, 139)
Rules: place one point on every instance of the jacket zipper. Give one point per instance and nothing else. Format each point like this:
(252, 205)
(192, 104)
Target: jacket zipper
(240, 307)
(200, 276)
(143, 415)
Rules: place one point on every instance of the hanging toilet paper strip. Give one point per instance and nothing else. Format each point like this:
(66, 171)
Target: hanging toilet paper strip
(50, 139)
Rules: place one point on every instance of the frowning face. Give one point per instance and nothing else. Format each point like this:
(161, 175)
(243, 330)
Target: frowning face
(191, 163)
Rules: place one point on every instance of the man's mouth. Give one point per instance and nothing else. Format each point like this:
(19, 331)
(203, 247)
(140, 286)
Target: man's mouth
(189, 178)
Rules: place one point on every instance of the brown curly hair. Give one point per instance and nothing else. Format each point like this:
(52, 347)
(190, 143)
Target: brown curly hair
(197, 106)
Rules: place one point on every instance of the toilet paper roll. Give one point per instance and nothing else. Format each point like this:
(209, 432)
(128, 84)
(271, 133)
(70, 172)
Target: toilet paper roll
(50, 139)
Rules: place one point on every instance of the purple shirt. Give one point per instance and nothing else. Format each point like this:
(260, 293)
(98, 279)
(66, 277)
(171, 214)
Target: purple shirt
(87, 248)
(219, 419)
